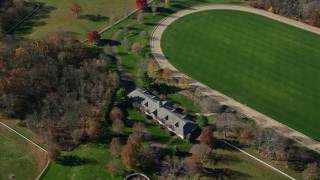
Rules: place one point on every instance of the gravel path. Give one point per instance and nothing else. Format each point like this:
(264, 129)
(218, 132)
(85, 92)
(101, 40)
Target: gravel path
(261, 119)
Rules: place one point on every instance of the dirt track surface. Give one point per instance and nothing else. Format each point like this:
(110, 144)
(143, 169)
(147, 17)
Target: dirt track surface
(261, 119)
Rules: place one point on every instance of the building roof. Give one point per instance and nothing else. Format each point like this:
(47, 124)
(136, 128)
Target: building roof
(177, 122)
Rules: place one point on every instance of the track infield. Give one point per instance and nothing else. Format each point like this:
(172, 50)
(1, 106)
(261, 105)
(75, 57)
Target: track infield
(268, 65)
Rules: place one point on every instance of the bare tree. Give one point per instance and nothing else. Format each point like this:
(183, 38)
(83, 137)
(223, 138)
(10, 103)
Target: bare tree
(118, 126)
(209, 105)
(174, 165)
(140, 16)
(154, 7)
(136, 48)
(54, 152)
(125, 43)
(194, 163)
(139, 129)
(114, 168)
(247, 136)
(227, 123)
(115, 146)
(312, 172)
(112, 20)
(76, 9)
(147, 158)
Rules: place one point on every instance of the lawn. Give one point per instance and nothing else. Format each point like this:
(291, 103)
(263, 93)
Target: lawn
(182, 100)
(268, 65)
(230, 164)
(55, 15)
(157, 134)
(18, 157)
(181, 144)
(130, 60)
(88, 161)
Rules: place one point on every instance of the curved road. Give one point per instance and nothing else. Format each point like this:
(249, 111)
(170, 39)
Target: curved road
(261, 119)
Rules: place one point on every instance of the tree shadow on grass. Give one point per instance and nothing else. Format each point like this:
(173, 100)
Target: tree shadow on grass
(224, 173)
(74, 160)
(109, 42)
(226, 159)
(94, 18)
(224, 146)
(35, 20)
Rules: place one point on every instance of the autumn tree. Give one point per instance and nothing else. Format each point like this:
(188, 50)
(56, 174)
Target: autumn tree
(94, 37)
(206, 136)
(93, 129)
(136, 48)
(153, 68)
(184, 82)
(247, 136)
(20, 52)
(312, 172)
(118, 126)
(134, 139)
(139, 129)
(116, 113)
(194, 163)
(281, 155)
(202, 121)
(115, 146)
(166, 73)
(76, 9)
(129, 155)
(114, 168)
(141, 4)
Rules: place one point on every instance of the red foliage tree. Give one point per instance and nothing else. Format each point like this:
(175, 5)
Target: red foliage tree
(194, 163)
(129, 155)
(141, 4)
(206, 136)
(94, 37)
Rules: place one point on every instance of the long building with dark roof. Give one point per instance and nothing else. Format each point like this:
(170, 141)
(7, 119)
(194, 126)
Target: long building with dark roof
(163, 113)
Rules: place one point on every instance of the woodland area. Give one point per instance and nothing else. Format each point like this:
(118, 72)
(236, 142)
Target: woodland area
(307, 11)
(56, 86)
(11, 12)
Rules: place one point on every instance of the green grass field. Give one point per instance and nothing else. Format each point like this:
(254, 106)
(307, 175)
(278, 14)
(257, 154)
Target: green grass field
(91, 163)
(270, 66)
(183, 100)
(17, 157)
(230, 164)
(55, 15)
